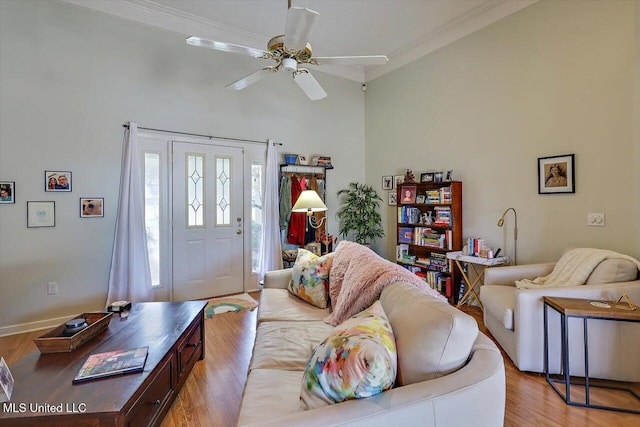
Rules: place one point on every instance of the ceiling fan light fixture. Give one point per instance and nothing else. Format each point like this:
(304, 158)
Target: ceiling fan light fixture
(290, 64)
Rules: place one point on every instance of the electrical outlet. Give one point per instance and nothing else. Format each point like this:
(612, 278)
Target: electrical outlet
(52, 288)
(595, 219)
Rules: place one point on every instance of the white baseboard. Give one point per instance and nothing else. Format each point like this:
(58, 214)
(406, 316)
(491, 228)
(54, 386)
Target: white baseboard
(33, 326)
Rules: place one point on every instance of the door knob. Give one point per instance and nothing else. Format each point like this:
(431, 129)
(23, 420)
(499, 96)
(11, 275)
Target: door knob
(239, 219)
(239, 231)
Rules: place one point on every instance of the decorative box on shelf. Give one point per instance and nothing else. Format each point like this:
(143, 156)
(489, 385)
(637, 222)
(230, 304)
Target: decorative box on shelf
(55, 340)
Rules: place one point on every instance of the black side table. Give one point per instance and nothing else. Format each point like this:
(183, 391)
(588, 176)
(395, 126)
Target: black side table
(584, 309)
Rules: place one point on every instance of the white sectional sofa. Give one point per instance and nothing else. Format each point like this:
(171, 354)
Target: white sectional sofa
(449, 373)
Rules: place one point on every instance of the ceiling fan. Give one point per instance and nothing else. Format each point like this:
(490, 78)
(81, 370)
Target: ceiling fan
(289, 51)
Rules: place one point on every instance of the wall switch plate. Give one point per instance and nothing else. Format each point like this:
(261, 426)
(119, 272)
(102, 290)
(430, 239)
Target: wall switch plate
(52, 288)
(595, 219)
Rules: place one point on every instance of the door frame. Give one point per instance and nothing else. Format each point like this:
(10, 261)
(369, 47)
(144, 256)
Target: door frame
(160, 142)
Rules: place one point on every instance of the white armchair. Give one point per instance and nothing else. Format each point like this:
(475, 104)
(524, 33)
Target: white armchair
(515, 319)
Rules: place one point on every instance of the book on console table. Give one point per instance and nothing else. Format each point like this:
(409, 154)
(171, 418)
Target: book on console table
(110, 363)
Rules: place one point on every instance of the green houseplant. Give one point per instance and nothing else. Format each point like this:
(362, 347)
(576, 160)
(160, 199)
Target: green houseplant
(358, 213)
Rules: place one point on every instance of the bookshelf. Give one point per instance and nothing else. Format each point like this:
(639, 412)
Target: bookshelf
(429, 225)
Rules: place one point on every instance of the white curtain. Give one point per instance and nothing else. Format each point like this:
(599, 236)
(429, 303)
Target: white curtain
(271, 248)
(130, 276)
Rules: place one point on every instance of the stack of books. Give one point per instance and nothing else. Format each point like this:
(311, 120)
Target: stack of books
(443, 216)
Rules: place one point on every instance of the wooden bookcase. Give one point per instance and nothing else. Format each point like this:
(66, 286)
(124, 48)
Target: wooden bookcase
(422, 247)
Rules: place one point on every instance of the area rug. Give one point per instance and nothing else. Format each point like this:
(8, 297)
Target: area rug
(232, 303)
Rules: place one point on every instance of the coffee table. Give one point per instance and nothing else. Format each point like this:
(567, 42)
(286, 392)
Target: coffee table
(44, 395)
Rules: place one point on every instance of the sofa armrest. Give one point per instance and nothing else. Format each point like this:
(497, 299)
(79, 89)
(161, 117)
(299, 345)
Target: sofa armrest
(507, 276)
(478, 388)
(278, 279)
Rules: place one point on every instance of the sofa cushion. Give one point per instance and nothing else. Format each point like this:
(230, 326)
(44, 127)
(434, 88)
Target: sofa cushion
(613, 270)
(500, 301)
(279, 304)
(357, 360)
(310, 278)
(269, 393)
(286, 345)
(433, 338)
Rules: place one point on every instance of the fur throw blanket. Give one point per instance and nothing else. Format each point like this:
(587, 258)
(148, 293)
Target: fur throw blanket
(573, 268)
(358, 276)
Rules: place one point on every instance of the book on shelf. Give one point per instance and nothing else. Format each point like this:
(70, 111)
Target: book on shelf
(100, 365)
(402, 252)
(405, 235)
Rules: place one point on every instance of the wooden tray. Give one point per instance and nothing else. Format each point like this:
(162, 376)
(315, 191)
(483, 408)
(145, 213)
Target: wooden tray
(54, 342)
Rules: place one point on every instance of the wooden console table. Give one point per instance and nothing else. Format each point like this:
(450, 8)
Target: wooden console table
(584, 309)
(44, 395)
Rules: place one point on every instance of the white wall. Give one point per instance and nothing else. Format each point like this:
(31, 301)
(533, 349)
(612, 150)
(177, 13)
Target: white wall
(555, 78)
(69, 78)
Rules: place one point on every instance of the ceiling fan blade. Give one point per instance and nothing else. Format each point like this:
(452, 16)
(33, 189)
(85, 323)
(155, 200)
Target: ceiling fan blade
(297, 31)
(227, 47)
(351, 60)
(251, 78)
(309, 84)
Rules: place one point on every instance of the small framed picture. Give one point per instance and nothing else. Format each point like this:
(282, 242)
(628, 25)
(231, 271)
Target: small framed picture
(91, 207)
(426, 177)
(449, 176)
(408, 194)
(393, 198)
(57, 181)
(438, 177)
(397, 180)
(556, 174)
(420, 198)
(387, 182)
(41, 214)
(7, 192)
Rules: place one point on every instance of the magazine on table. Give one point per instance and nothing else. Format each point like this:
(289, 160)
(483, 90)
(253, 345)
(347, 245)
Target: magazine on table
(110, 363)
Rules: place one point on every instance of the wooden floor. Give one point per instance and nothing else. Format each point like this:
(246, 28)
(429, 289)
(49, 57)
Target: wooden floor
(211, 395)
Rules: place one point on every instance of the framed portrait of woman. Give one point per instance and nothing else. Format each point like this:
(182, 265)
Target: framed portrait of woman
(556, 174)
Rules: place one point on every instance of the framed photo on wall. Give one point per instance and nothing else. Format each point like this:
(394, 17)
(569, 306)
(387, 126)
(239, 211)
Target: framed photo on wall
(556, 174)
(397, 180)
(387, 182)
(41, 214)
(7, 192)
(393, 198)
(91, 207)
(57, 181)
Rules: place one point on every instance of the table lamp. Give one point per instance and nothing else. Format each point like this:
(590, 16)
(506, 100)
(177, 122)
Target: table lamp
(310, 202)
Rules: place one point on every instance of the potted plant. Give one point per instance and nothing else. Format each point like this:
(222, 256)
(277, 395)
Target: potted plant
(359, 214)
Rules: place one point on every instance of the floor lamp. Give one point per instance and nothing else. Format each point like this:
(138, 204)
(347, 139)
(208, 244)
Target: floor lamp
(515, 232)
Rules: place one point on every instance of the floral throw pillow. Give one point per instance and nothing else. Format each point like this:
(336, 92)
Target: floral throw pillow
(310, 278)
(358, 359)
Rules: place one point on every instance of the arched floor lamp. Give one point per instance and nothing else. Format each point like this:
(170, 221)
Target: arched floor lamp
(515, 232)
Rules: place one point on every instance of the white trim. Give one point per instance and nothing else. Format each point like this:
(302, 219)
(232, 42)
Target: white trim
(22, 328)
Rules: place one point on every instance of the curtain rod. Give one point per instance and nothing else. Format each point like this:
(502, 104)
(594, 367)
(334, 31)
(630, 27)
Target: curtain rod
(126, 125)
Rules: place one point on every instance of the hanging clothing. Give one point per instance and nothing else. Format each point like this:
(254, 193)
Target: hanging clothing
(285, 201)
(298, 220)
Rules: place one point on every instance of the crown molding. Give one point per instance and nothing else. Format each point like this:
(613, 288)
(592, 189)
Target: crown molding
(156, 15)
(449, 32)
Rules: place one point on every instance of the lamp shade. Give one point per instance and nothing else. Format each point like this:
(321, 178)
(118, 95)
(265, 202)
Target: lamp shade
(309, 201)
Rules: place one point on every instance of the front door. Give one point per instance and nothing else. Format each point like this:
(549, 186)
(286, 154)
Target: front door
(208, 253)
